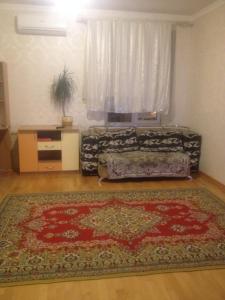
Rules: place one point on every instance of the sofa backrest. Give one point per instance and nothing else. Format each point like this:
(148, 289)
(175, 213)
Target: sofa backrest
(159, 140)
(118, 140)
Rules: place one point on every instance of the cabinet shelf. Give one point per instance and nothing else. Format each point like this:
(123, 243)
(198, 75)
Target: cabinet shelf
(45, 135)
(49, 155)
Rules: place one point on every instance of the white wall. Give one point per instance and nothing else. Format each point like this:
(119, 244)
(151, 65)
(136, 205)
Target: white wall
(208, 90)
(199, 87)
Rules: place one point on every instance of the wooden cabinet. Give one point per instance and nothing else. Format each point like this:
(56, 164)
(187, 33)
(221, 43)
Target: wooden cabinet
(4, 97)
(43, 149)
(5, 142)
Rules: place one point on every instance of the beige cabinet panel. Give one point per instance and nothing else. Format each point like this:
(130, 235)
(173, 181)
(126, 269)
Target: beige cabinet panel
(70, 151)
(28, 155)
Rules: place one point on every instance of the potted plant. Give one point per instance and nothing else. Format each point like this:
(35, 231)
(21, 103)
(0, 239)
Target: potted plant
(62, 91)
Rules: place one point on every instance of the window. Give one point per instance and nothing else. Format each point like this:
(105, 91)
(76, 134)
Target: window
(129, 119)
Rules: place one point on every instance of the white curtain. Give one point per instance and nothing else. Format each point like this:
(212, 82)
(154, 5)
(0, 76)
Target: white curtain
(128, 66)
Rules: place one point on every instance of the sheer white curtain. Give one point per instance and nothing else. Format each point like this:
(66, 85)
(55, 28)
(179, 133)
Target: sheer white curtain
(128, 66)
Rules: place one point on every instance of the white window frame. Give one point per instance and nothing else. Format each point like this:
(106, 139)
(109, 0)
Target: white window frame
(134, 121)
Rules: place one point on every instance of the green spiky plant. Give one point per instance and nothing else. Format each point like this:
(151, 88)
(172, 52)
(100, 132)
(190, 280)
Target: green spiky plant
(62, 90)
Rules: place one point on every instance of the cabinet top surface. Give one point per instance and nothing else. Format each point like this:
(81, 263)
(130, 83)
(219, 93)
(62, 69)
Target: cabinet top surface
(48, 128)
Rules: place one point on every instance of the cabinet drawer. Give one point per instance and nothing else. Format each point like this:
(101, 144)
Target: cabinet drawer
(49, 166)
(49, 145)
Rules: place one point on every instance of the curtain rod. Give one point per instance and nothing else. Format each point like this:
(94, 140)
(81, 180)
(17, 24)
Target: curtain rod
(84, 20)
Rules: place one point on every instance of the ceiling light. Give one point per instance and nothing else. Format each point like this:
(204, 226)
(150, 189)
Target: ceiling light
(70, 7)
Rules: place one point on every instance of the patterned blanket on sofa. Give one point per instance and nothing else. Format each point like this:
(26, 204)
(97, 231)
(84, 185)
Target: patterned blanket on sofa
(98, 140)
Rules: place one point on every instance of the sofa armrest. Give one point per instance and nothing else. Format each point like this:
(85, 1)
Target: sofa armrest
(89, 150)
(192, 146)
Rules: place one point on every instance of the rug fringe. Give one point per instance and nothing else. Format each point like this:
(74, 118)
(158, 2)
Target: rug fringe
(110, 276)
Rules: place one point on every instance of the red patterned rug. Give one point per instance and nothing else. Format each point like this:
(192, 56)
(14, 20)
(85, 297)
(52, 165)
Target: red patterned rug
(79, 235)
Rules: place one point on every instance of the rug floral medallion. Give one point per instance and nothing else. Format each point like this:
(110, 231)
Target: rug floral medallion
(78, 235)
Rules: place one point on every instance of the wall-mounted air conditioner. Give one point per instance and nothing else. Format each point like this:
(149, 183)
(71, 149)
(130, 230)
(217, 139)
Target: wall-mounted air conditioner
(40, 25)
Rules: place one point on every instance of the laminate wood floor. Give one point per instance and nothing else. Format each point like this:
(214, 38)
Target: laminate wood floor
(207, 285)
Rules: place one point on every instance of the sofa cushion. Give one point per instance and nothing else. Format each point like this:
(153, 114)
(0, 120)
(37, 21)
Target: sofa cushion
(143, 164)
(118, 140)
(160, 141)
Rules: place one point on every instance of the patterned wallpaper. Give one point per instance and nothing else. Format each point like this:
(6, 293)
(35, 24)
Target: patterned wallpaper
(33, 62)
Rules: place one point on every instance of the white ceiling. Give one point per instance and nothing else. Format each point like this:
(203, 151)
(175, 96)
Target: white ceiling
(180, 7)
